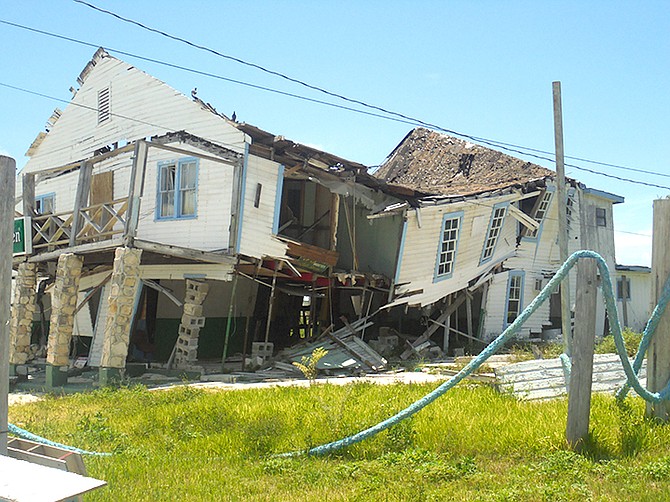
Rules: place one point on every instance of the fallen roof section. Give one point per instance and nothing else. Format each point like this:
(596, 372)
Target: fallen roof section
(436, 164)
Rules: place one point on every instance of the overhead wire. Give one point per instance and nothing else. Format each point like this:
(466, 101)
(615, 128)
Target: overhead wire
(405, 117)
(397, 117)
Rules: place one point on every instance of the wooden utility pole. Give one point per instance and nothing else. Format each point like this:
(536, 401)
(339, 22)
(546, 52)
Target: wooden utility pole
(562, 195)
(583, 343)
(624, 299)
(658, 362)
(7, 182)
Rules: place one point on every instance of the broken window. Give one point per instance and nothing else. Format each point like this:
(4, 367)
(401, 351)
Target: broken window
(601, 217)
(537, 208)
(446, 257)
(623, 288)
(495, 227)
(44, 204)
(177, 189)
(104, 105)
(514, 296)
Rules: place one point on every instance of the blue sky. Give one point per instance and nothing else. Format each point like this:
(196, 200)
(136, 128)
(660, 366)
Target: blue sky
(482, 68)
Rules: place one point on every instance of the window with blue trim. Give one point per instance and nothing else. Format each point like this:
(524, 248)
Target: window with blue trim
(446, 256)
(495, 227)
(44, 204)
(177, 189)
(514, 297)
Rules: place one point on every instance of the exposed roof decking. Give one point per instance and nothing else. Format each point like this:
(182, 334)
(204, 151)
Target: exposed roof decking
(437, 164)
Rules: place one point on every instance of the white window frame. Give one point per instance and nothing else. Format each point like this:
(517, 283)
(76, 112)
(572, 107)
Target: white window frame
(540, 213)
(178, 190)
(514, 298)
(496, 224)
(447, 247)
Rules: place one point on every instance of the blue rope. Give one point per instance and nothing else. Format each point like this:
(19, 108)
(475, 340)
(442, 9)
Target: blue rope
(512, 329)
(18, 431)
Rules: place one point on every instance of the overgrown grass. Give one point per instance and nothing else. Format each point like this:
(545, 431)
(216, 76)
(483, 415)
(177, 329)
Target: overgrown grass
(471, 444)
(631, 340)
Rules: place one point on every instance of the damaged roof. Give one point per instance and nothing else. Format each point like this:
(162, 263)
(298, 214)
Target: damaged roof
(437, 164)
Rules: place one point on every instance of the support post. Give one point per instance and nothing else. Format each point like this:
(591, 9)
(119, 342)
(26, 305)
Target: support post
(272, 301)
(658, 362)
(28, 194)
(581, 377)
(562, 196)
(135, 191)
(80, 199)
(624, 299)
(7, 183)
(229, 321)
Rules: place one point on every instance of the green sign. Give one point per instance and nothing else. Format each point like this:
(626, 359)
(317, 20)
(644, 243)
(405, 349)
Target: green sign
(23, 243)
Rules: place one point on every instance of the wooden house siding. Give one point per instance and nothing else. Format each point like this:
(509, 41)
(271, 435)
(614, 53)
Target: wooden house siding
(419, 253)
(141, 106)
(639, 305)
(258, 223)
(209, 230)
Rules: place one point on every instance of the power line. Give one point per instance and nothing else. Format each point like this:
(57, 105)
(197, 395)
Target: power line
(405, 118)
(408, 120)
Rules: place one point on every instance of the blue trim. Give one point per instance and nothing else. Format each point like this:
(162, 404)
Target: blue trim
(177, 190)
(401, 250)
(42, 197)
(514, 273)
(242, 196)
(278, 197)
(483, 260)
(449, 216)
(616, 199)
(538, 234)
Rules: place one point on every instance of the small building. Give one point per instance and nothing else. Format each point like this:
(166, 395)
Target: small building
(633, 296)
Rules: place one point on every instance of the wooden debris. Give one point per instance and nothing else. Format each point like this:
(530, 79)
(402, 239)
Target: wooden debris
(544, 379)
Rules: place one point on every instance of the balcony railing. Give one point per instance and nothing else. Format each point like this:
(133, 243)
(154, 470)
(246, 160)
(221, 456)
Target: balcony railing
(96, 223)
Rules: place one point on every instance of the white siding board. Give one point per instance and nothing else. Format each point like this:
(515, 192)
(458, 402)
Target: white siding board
(417, 266)
(257, 223)
(155, 107)
(210, 229)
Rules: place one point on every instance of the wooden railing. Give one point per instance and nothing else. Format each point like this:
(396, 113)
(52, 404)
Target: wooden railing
(96, 223)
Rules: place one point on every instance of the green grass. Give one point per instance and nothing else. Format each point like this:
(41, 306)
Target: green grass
(471, 444)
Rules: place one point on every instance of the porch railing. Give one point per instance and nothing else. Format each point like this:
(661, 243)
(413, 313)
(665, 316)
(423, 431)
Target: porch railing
(96, 223)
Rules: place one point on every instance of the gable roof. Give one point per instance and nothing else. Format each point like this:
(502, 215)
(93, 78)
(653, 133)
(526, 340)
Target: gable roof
(437, 164)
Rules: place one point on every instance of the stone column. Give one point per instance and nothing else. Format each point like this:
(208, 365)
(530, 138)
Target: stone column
(124, 283)
(61, 324)
(23, 310)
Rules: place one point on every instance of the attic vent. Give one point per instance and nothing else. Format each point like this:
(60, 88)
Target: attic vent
(104, 105)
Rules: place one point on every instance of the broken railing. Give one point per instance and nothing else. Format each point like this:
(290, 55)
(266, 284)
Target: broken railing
(69, 228)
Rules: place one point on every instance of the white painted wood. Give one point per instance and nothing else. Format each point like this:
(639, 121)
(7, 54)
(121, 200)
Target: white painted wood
(83, 325)
(18, 482)
(257, 222)
(639, 305)
(142, 106)
(542, 379)
(95, 352)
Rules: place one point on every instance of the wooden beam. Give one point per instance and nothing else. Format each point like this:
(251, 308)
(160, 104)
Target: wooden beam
(28, 194)
(658, 360)
(583, 343)
(523, 218)
(182, 151)
(135, 191)
(180, 252)
(80, 199)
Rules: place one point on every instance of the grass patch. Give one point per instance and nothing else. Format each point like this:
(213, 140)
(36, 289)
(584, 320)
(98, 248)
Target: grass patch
(471, 444)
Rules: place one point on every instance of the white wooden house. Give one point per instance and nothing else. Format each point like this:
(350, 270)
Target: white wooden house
(288, 240)
(480, 240)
